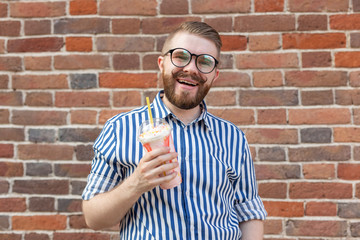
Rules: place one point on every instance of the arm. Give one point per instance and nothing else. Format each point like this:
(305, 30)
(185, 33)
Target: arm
(252, 230)
(107, 209)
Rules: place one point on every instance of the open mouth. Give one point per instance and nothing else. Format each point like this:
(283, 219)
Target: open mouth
(182, 81)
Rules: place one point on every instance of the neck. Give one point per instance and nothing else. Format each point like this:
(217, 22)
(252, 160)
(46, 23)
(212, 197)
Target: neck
(185, 115)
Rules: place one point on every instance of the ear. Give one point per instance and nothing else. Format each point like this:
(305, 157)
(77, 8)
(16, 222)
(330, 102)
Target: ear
(216, 75)
(161, 63)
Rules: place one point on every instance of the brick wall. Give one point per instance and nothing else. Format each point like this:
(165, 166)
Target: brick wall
(290, 79)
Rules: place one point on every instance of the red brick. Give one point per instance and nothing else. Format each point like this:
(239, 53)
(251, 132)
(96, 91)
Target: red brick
(73, 62)
(40, 81)
(236, 116)
(83, 7)
(284, 209)
(10, 99)
(12, 204)
(267, 60)
(346, 134)
(345, 22)
(313, 40)
(320, 190)
(357, 190)
(11, 169)
(10, 236)
(347, 59)
(3, 10)
(319, 116)
(2, 46)
(264, 23)
(272, 190)
(79, 44)
(355, 40)
(6, 150)
(53, 187)
(264, 42)
(13, 64)
(267, 79)
(126, 62)
(163, 25)
(149, 62)
(316, 228)
(319, 171)
(4, 116)
(312, 22)
(39, 117)
(316, 59)
(10, 28)
(323, 153)
(355, 79)
(46, 44)
(77, 222)
(356, 5)
(347, 97)
(37, 27)
(81, 236)
(268, 98)
(37, 63)
(126, 26)
(39, 9)
(83, 117)
(321, 97)
(174, 7)
(349, 171)
(221, 98)
(220, 23)
(82, 99)
(72, 170)
(269, 6)
(356, 116)
(271, 136)
(39, 222)
(45, 151)
(316, 78)
(233, 42)
(278, 171)
(12, 134)
(41, 204)
(213, 6)
(320, 209)
(271, 116)
(272, 226)
(317, 5)
(126, 99)
(39, 99)
(36, 236)
(233, 79)
(127, 80)
(128, 7)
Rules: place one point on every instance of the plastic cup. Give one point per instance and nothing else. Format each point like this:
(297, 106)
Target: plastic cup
(156, 135)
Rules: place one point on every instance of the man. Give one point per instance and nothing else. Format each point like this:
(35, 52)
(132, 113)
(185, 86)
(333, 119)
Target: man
(218, 196)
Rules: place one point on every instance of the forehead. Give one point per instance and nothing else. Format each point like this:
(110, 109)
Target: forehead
(194, 43)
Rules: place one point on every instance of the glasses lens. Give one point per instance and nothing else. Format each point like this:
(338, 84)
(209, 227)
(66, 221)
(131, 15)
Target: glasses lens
(205, 63)
(180, 57)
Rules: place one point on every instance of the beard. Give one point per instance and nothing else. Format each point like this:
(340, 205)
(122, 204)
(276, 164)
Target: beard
(184, 100)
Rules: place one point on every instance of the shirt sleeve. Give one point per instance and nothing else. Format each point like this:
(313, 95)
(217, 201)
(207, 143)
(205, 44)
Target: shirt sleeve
(248, 204)
(104, 174)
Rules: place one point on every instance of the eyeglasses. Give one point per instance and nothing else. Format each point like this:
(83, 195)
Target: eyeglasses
(181, 57)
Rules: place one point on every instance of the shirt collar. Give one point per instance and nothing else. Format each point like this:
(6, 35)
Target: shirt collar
(160, 110)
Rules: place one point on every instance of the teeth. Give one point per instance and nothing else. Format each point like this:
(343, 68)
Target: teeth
(188, 83)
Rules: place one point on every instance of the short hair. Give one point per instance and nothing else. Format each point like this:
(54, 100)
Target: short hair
(199, 28)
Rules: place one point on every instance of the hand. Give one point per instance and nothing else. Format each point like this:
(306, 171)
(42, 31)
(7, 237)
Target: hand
(148, 174)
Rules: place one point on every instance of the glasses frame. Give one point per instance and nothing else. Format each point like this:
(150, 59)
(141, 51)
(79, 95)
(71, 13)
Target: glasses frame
(191, 56)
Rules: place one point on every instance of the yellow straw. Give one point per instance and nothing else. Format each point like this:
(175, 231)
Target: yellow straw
(149, 109)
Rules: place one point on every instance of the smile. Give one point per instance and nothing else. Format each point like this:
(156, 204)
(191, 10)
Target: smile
(189, 83)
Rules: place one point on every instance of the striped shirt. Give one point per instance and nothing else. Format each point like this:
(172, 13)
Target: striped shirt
(218, 188)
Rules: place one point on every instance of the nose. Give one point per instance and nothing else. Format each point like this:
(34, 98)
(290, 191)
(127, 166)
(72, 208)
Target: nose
(191, 67)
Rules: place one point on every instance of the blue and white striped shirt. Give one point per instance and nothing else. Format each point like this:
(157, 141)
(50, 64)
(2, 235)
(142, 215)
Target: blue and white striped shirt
(219, 187)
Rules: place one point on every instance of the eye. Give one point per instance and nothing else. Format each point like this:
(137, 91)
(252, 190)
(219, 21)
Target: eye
(180, 55)
(206, 60)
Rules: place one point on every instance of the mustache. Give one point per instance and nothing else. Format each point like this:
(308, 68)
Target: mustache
(181, 74)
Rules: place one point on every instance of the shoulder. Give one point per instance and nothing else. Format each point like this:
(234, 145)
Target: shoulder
(220, 123)
(135, 113)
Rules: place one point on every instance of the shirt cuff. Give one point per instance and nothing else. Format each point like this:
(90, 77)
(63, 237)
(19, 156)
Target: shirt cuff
(251, 209)
(97, 184)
